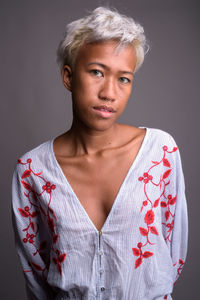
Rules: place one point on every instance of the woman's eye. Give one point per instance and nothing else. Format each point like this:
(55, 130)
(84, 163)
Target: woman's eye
(97, 73)
(124, 80)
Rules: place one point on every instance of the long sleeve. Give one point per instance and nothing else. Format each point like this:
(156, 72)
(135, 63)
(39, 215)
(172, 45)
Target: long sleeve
(31, 236)
(175, 217)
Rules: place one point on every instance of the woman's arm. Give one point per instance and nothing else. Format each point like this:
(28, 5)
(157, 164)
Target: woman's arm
(31, 236)
(175, 217)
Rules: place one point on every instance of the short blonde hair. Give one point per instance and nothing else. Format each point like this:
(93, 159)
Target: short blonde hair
(102, 24)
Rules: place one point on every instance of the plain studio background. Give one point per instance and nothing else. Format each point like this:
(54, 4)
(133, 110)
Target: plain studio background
(36, 107)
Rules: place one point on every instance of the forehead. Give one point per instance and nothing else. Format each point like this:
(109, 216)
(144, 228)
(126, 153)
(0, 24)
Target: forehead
(108, 53)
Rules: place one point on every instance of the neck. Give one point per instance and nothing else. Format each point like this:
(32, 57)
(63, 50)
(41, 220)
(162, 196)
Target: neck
(89, 141)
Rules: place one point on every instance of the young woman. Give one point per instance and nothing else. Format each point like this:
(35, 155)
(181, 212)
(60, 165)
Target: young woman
(100, 211)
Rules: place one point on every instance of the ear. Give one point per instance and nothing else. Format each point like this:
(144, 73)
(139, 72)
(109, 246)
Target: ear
(67, 77)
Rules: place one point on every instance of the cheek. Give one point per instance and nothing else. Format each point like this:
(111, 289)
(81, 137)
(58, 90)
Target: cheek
(124, 95)
(83, 87)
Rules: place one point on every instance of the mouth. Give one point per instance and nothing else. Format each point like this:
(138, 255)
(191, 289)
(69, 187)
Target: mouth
(104, 108)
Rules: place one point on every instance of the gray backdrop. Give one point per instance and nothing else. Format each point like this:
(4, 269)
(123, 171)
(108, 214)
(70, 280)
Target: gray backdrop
(35, 106)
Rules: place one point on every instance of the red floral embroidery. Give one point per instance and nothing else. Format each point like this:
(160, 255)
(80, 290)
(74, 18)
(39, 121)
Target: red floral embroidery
(179, 268)
(170, 201)
(149, 217)
(138, 252)
(58, 260)
(30, 211)
(166, 201)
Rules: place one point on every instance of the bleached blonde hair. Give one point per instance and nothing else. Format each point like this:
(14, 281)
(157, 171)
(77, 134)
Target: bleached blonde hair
(102, 24)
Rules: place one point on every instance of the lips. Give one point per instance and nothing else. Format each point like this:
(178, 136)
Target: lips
(104, 108)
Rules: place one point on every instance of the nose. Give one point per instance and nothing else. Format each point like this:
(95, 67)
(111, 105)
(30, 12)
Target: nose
(108, 90)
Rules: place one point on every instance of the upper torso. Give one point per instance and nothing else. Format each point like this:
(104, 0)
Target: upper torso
(96, 179)
(83, 262)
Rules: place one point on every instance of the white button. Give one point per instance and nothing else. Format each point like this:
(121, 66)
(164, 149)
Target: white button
(101, 271)
(100, 232)
(100, 252)
(102, 288)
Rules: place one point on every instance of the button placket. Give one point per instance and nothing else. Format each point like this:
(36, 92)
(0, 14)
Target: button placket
(101, 270)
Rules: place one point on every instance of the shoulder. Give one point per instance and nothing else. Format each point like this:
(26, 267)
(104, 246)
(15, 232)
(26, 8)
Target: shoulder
(38, 156)
(38, 152)
(162, 150)
(163, 145)
(153, 138)
(160, 137)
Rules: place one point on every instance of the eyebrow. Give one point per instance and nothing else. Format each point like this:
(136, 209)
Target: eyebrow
(107, 68)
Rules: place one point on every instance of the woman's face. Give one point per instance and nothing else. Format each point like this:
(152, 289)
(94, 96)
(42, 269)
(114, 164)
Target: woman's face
(101, 83)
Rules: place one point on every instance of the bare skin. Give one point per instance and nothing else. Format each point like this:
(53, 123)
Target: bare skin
(96, 153)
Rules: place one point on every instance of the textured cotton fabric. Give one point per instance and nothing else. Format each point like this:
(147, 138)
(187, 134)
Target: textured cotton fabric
(141, 249)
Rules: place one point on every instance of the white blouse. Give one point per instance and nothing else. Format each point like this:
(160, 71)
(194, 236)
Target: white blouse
(141, 249)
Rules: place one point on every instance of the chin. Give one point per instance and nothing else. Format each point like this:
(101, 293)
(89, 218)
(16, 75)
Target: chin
(95, 124)
(101, 126)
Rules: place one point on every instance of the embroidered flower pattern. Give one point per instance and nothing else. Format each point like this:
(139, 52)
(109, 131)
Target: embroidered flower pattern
(165, 201)
(30, 211)
(179, 268)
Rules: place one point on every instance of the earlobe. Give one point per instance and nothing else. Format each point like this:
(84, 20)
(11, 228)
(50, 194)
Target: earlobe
(67, 77)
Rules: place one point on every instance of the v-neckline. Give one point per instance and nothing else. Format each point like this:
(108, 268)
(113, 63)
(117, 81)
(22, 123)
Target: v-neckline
(119, 190)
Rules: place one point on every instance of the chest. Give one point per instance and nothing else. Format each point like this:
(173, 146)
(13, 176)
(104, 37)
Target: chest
(96, 184)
